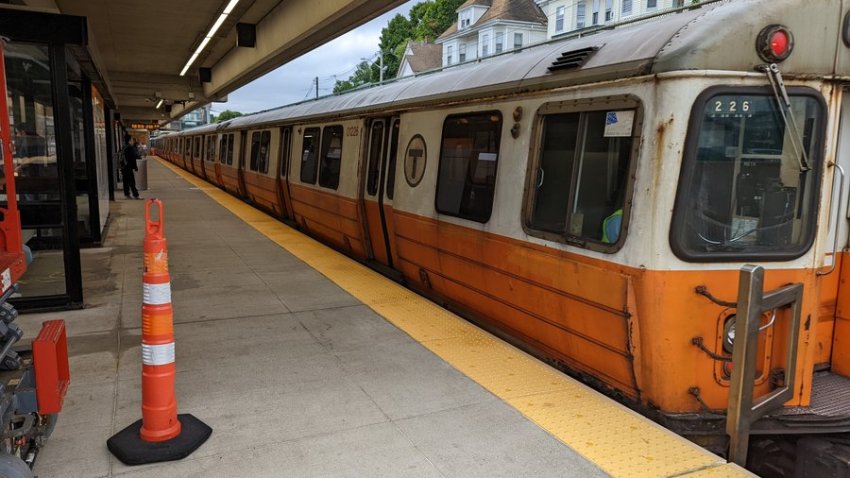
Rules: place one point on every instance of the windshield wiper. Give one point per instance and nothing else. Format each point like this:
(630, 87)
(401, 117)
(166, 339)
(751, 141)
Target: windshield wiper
(784, 102)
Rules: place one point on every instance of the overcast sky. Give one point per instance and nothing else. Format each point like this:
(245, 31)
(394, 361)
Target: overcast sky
(294, 81)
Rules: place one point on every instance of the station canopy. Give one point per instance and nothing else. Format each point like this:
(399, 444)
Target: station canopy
(140, 49)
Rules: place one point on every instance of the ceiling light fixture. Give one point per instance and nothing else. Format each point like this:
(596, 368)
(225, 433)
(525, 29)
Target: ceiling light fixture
(221, 18)
(159, 103)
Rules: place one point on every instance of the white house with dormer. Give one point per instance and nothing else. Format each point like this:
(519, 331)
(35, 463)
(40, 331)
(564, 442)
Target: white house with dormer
(490, 27)
(566, 16)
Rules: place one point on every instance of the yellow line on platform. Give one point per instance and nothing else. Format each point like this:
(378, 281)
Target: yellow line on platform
(618, 440)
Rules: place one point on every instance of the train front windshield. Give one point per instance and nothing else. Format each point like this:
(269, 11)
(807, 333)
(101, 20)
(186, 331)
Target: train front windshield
(750, 178)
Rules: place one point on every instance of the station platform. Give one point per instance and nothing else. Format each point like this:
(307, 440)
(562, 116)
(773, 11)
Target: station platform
(307, 364)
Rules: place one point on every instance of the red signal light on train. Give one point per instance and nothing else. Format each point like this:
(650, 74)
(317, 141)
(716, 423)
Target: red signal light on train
(775, 43)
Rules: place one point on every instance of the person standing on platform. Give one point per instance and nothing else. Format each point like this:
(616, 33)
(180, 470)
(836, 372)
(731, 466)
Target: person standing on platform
(131, 155)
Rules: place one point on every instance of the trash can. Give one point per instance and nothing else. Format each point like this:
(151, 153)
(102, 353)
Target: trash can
(142, 175)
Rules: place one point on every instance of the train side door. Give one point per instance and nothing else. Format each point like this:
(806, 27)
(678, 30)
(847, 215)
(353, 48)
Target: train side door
(374, 194)
(283, 194)
(240, 170)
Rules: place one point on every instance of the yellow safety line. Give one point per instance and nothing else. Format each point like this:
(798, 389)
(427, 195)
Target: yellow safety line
(618, 440)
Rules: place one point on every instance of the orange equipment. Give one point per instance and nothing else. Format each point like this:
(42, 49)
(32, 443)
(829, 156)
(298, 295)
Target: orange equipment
(161, 435)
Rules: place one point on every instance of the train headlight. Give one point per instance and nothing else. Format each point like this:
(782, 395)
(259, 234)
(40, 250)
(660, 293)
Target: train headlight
(775, 43)
(729, 334)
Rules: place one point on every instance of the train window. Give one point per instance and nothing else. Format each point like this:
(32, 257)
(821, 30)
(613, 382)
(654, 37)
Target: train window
(309, 155)
(392, 159)
(285, 147)
(230, 143)
(263, 156)
(210, 148)
(197, 154)
(260, 151)
(580, 177)
(376, 141)
(331, 157)
(255, 151)
(745, 192)
(469, 155)
(222, 149)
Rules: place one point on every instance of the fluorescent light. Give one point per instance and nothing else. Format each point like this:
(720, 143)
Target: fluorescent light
(159, 103)
(218, 22)
(230, 6)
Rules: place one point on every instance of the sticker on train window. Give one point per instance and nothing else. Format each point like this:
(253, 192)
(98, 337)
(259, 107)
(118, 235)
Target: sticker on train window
(618, 124)
(414, 161)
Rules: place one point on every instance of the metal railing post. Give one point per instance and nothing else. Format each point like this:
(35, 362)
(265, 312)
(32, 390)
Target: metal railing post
(744, 352)
(744, 409)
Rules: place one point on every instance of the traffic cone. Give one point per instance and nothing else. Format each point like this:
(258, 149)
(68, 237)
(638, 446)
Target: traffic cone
(161, 434)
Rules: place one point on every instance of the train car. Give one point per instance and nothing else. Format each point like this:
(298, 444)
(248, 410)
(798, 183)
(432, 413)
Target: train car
(657, 208)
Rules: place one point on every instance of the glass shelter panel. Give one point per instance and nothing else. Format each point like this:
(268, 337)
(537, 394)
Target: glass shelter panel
(29, 82)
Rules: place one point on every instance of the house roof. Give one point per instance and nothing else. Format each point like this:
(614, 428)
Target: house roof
(424, 56)
(516, 10)
(469, 3)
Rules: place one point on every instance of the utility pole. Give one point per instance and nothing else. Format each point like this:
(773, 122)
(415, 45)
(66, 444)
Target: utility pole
(317, 87)
(381, 64)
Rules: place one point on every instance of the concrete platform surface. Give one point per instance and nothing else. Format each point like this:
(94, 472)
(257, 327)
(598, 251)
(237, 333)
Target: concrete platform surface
(296, 377)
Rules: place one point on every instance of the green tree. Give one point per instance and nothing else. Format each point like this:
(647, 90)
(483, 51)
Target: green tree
(426, 21)
(365, 73)
(227, 115)
(436, 17)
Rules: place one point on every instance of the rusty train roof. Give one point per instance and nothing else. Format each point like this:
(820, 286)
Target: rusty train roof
(716, 36)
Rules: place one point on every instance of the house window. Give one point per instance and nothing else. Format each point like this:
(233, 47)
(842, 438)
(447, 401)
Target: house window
(580, 178)
(651, 4)
(517, 40)
(485, 44)
(595, 14)
(609, 10)
(466, 180)
(500, 41)
(461, 53)
(449, 55)
(678, 3)
(309, 155)
(580, 14)
(331, 157)
(559, 19)
(627, 7)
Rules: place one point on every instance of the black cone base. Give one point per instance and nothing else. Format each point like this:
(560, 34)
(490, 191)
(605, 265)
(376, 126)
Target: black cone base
(128, 446)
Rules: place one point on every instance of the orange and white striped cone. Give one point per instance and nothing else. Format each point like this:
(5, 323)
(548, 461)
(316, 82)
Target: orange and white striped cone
(161, 434)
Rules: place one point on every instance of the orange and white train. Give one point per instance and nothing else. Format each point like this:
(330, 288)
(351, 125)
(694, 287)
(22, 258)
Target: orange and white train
(610, 201)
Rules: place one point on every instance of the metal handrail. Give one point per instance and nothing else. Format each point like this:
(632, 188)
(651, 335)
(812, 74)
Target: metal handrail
(744, 409)
(837, 219)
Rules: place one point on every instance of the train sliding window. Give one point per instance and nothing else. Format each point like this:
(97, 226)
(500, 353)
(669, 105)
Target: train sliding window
(750, 177)
(331, 157)
(309, 155)
(578, 180)
(260, 141)
(469, 155)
